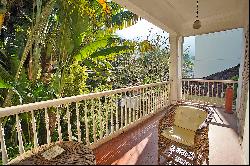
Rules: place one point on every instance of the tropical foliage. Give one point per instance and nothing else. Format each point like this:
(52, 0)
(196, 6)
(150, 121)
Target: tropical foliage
(48, 43)
(188, 64)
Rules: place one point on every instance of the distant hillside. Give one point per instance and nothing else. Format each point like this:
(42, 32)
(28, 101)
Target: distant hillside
(225, 74)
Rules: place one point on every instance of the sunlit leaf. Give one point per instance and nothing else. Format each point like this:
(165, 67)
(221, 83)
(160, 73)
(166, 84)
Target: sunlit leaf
(93, 47)
(4, 85)
(112, 50)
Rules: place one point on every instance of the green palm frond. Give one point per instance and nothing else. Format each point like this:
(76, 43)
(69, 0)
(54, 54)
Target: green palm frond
(95, 46)
(101, 54)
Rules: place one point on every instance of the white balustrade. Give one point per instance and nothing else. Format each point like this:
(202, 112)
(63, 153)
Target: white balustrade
(85, 117)
(206, 91)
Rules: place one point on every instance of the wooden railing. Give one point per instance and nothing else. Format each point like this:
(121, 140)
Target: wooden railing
(92, 118)
(207, 91)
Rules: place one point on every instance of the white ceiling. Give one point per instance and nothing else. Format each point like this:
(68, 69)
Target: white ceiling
(179, 15)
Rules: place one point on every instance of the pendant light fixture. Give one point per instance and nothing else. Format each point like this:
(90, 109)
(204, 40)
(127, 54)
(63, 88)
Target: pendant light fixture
(197, 23)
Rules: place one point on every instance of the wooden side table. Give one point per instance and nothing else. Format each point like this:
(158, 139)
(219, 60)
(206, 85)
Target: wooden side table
(59, 153)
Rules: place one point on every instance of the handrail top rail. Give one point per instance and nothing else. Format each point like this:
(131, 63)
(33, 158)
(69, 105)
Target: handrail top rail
(204, 80)
(13, 110)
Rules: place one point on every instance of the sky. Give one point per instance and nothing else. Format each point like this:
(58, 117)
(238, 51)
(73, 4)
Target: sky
(140, 31)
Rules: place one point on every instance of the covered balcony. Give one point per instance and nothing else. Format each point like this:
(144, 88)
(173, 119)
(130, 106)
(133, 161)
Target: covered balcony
(121, 125)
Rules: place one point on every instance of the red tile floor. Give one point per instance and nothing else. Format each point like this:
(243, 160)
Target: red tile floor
(138, 146)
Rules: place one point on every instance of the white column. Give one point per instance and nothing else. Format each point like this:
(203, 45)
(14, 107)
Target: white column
(243, 76)
(180, 57)
(245, 143)
(175, 67)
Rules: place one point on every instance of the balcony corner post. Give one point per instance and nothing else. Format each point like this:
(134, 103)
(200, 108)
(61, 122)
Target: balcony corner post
(175, 67)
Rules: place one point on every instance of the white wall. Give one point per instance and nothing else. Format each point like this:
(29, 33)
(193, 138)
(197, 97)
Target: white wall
(218, 51)
(242, 61)
(245, 143)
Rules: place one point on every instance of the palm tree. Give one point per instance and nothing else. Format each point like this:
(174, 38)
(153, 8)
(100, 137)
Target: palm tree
(63, 30)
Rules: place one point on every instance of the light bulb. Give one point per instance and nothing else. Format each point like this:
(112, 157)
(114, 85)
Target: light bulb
(197, 24)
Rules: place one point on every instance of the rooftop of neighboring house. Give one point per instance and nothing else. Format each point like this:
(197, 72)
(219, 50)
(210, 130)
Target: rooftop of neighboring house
(227, 74)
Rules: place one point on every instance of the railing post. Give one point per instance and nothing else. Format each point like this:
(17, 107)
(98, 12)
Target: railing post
(165, 95)
(33, 121)
(3, 146)
(151, 100)
(116, 113)
(19, 132)
(112, 115)
(134, 105)
(93, 119)
(106, 116)
(195, 92)
(122, 112)
(86, 123)
(78, 124)
(129, 108)
(47, 126)
(184, 90)
(212, 102)
(69, 124)
(126, 111)
(100, 117)
(144, 103)
(138, 103)
(59, 128)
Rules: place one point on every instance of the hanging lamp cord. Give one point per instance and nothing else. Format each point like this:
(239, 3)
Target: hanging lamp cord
(197, 9)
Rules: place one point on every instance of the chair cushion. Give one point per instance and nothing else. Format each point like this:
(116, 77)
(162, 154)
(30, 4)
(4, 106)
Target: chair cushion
(180, 135)
(189, 117)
